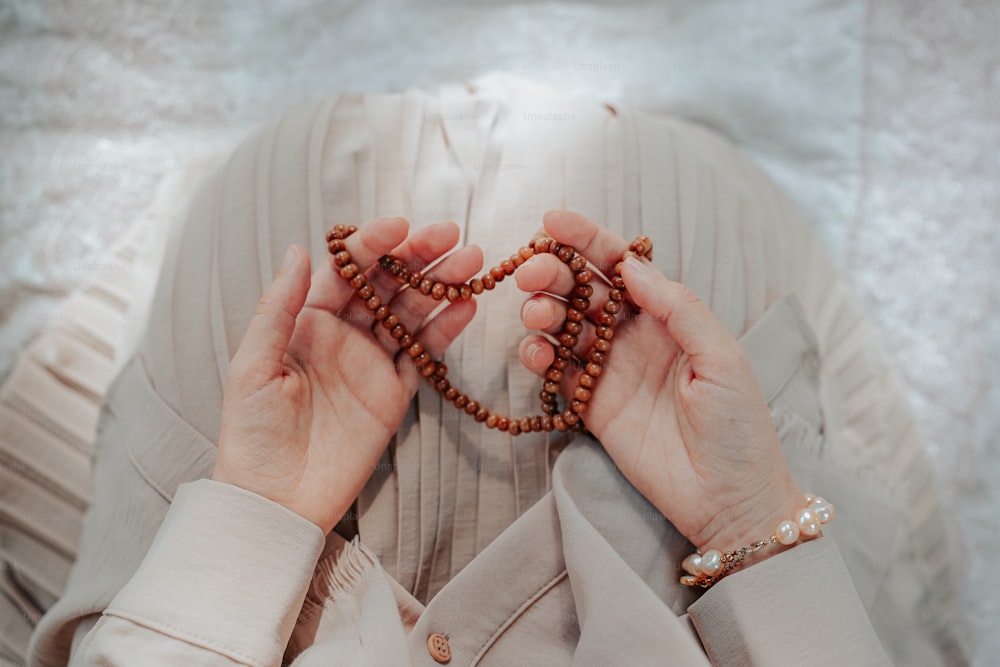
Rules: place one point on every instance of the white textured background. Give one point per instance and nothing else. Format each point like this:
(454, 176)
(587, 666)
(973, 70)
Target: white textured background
(880, 117)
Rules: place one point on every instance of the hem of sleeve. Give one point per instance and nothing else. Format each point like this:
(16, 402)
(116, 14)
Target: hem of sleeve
(228, 570)
(799, 606)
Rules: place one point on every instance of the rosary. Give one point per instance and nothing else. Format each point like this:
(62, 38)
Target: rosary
(578, 302)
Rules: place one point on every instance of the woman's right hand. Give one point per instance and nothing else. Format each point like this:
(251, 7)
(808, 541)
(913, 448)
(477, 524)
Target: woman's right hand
(312, 397)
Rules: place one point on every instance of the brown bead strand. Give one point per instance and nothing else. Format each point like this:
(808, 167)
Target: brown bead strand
(571, 417)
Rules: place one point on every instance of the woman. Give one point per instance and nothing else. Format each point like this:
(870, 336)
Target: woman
(462, 544)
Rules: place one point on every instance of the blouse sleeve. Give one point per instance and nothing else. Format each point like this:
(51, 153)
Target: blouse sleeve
(798, 607)
(222, 584)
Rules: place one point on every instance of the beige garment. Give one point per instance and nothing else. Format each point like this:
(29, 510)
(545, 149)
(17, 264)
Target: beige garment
(587, 576)
(494, 159)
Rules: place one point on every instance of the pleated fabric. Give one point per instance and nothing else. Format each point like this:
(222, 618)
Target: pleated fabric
(494, 156)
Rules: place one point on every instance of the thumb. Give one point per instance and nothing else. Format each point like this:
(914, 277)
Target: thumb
(266, 340)
(688, 320)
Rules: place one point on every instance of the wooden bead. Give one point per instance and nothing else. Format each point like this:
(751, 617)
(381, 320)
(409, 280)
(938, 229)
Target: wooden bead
(572, 328)
(542, 245)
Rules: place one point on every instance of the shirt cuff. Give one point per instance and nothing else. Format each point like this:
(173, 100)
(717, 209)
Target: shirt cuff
(228, 571)
(798, 607)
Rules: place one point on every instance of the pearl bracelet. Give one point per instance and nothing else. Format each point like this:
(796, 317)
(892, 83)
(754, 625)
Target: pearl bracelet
(704, 569)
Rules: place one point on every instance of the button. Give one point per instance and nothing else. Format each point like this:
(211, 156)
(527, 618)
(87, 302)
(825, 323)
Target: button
(439, 648)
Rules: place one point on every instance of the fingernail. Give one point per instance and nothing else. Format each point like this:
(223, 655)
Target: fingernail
(532, 352)
(528, 306)
(291, 259)
(641, 269)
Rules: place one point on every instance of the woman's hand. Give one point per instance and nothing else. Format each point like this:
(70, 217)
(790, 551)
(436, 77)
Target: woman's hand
(312, 397)
(677, 406)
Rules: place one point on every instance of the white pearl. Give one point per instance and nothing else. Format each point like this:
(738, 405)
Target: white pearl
(809, 498)
(688, 580)
(692, 564)
(808, 522)
(824, 510)
(711, 562)
(788, 532)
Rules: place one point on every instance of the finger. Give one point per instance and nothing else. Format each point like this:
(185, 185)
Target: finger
(545, 313)
(420, 249)
(688, 320)
(412, 308)
(537, 353)
(329, 291)
(545, 273)
(602, 247)
(261, 353)
(437, 335)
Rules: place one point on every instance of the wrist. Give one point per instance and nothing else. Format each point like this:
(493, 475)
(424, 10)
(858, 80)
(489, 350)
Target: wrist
(706, 566)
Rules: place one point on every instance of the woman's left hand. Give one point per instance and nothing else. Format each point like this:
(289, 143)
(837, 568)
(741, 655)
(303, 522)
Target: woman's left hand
(677, 405)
